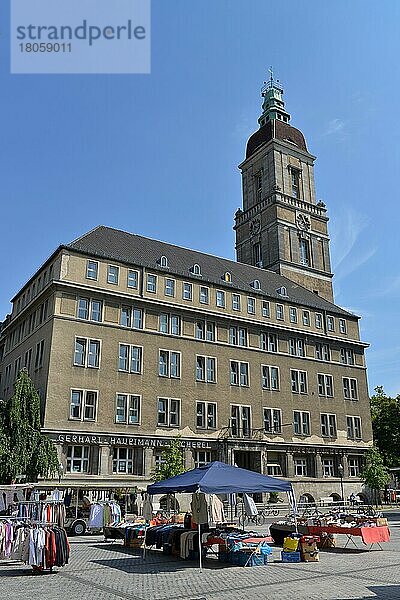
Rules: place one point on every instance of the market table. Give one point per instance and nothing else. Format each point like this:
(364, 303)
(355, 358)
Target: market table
(369, 535)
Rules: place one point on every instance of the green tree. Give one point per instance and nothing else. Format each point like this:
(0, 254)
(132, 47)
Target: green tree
(375, 474)
(385, 414)
(172, 461)
(24, 450)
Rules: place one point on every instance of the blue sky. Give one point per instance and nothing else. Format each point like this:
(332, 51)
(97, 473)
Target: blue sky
(157, 154)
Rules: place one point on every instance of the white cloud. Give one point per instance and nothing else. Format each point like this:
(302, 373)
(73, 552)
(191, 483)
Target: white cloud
(334, 127)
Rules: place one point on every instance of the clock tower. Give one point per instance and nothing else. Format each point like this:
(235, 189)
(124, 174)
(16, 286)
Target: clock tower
(282, 227)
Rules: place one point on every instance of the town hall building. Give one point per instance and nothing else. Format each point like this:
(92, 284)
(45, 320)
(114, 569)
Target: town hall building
(132, 341)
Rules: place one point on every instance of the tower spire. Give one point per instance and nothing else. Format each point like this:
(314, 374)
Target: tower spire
(273, 106)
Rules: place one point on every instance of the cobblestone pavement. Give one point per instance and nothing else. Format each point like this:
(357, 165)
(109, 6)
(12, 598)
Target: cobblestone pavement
(102, 571)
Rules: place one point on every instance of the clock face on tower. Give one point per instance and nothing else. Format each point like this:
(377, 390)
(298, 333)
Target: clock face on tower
(303, 222)
(255, 226)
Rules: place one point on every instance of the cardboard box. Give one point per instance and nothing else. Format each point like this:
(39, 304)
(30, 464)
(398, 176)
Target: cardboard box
(310, 556)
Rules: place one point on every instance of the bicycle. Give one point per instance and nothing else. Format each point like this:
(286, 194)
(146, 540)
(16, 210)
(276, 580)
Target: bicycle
(245, 520)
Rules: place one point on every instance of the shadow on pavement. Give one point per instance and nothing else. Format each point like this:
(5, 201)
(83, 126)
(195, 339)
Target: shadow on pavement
(156, 565)
(387, 592)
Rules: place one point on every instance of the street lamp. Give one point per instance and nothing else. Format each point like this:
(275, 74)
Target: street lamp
(341, 473)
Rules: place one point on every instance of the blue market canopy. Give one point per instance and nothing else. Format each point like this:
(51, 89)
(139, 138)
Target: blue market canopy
(220, 478)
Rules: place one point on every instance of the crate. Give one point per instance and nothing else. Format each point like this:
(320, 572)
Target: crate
(290, 557)
(248, 559)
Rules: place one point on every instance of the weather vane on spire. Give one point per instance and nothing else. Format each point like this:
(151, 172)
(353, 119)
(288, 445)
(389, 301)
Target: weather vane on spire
(272, 73)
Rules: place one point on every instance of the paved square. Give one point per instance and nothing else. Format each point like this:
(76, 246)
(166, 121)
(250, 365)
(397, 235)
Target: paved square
(102, 571)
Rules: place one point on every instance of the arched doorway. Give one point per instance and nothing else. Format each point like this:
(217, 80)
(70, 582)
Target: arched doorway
(306, 499)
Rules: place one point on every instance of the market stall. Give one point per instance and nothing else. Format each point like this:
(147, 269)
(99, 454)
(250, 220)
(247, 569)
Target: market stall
(218, 478)
(371, 529)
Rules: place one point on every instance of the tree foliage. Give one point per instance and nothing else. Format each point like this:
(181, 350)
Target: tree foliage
(24, 450)
(172, 461)
(375, 474)
(385, 414)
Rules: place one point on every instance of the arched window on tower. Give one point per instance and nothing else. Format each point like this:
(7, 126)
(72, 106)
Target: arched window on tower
(304, 252)
(295, 182)
(257, 255)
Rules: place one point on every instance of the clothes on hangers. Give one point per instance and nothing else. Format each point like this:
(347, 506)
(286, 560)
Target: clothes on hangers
(104, 514)
(250, 507)
(147, 509)
(38, 545)
(199, 508)
(216, 509)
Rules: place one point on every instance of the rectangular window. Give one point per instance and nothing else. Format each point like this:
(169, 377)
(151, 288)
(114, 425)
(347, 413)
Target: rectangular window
(87, 353)
(127, 409)
(347, 356)
(306, 318)
(293, 314)
(206, 415)
(270, 377)
(235, 301)
(206, 369)
(113, 274)
(318, 321)
(251, 306)
(279, 312)
(272, 420)
(78, 459)
(298, 381)
(83, 406)
(350, 388)
(204, 295)
(296, 347)
(300, 467)
(163, 323)
(304, 252)
(128, 461)
(328, 425)
(354, 428)
(130, 358)
(201, 458)
(220, 298)
(39, 355)
(354, 467)
(89, 309)
(239, 373)
(151, 283)
(265, 309)
(328, 467)
(342, 326)
(132, 279)
(187, 291)
(169, 364)
(175, 323)
(28, 359)
(322, 352)
(92, 269)
(131, 317)
(330, 322)
(325, 385)
(301, 422)
(168, 412)
(169, 287)
(240, 421)
(237, 336)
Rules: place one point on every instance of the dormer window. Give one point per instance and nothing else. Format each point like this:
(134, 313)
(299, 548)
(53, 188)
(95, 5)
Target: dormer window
(256, 284)
(163, 261)
(195, 269)
(227, 277)
(282, 291)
